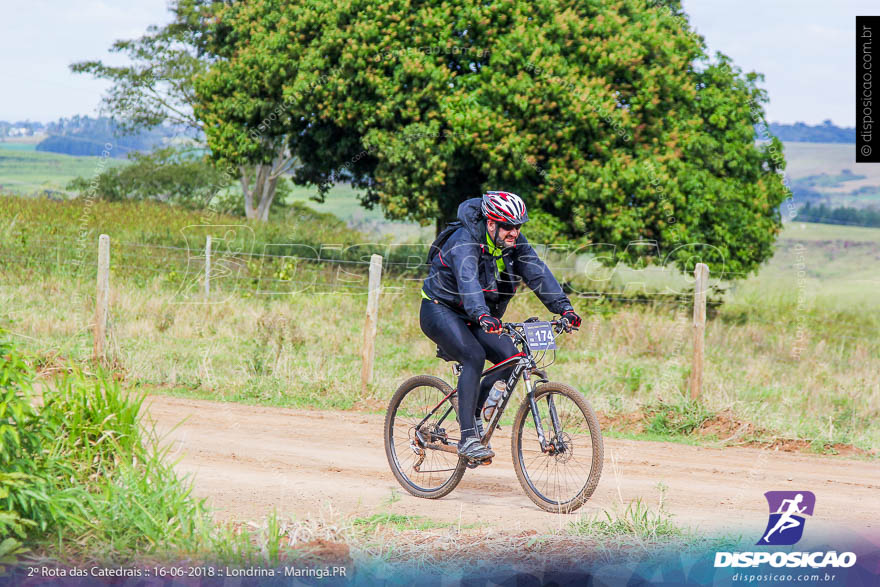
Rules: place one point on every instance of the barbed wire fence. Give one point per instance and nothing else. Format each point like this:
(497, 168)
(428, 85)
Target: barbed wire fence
(230, 271)
(258, 269)
(200, 273)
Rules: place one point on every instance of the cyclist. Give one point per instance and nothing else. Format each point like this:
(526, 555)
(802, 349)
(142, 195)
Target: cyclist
(472, 276)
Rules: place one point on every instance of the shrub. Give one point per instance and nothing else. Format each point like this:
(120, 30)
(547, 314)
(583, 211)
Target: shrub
(82, 466)
(26, 468)
(175, 175)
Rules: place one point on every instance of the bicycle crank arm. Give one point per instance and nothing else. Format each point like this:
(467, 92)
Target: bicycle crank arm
(442, 447)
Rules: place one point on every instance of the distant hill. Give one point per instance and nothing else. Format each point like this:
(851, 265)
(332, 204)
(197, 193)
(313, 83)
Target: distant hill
(821, 133)
(87, 136)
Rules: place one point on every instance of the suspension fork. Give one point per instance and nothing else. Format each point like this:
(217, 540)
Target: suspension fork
(554, 420)
(557, 427)
(530, 397)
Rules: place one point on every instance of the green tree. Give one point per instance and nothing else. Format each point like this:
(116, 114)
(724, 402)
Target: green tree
(609, 118)
(157, 88)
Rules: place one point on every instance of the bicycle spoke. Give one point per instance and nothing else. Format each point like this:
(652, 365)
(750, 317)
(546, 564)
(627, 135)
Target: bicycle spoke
(559, 475)
(436, 467)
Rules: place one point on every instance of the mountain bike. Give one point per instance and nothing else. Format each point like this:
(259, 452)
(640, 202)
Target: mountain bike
(555, 441)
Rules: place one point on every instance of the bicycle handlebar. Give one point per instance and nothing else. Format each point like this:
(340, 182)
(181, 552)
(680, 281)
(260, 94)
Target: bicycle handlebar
(557, 325)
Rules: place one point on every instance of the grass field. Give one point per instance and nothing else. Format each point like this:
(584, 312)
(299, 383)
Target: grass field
(815, 159)
(799, 359)
(18, 146)
(342, 202)
(805, 159)
(838, 262)
(26, 171)
(794, 350)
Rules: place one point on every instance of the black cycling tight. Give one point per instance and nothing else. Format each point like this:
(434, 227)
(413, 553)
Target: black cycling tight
(466, 342)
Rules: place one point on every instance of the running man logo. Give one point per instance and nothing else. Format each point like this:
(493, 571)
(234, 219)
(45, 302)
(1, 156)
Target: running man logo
(787, 509)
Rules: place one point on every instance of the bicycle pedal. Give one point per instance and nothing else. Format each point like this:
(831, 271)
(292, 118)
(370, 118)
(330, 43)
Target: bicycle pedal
(473, 464)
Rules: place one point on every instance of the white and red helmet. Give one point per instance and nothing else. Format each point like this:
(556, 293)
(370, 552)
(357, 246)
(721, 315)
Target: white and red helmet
(504, 207)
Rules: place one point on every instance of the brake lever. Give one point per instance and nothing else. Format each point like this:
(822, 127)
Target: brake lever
(560, 328)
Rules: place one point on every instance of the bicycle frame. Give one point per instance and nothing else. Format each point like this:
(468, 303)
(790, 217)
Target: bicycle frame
(524, 368)
(525, 365)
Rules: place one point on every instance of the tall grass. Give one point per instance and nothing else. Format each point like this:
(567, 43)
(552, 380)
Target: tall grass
(635, 522)
(30, 220)
(131, 499)
(84, 476)
(26, 502)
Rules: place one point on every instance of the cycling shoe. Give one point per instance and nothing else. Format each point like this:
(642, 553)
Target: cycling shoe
(472, 450)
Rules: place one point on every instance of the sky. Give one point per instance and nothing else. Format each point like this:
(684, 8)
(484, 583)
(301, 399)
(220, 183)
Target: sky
(805, 49)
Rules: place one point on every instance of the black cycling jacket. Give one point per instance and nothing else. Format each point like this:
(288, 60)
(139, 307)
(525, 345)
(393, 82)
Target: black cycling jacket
(464, 274)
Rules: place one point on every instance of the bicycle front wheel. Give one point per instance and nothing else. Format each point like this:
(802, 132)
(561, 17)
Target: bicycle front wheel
(562, 477)
(422, 449)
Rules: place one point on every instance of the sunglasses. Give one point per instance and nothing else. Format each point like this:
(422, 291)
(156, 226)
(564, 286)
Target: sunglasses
(506, 226)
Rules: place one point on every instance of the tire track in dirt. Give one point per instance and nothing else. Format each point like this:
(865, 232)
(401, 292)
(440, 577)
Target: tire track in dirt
(249, 460)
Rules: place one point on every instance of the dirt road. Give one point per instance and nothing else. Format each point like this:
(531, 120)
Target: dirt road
(248, 460)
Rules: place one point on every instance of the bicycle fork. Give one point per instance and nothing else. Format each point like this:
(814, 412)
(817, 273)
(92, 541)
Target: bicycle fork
(546, 447)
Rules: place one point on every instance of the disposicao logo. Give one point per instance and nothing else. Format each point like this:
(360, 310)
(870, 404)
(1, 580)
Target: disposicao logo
(786, 524)
(784, 528)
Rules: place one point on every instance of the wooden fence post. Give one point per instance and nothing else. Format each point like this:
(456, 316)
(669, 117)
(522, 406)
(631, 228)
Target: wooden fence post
(372, 320)
(103, 297)
(701, 283)
(207, 266)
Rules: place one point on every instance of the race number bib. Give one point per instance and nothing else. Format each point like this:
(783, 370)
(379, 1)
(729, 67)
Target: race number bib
(540, 336)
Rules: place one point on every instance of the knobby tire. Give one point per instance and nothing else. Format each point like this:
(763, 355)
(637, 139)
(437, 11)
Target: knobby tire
(399, 428)
(534, 466)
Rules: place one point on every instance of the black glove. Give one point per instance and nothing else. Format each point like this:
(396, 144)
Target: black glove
(572, 319)
(490, 324)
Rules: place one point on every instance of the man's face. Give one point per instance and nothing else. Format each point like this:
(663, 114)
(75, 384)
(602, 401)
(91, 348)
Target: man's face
(507, 233)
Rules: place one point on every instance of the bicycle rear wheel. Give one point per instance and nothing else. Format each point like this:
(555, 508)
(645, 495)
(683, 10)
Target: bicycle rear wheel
(416, 455)
(563, 478)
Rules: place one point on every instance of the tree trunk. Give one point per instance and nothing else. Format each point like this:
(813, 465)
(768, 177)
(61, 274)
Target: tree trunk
(258, 197)
(448, 213)
(266, 198)
(248, 194)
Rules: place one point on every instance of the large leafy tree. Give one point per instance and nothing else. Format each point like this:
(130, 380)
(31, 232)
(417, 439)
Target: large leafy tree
(156, 88)
(609, 118)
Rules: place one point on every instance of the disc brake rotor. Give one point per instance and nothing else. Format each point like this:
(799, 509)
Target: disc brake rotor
(564, 449)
